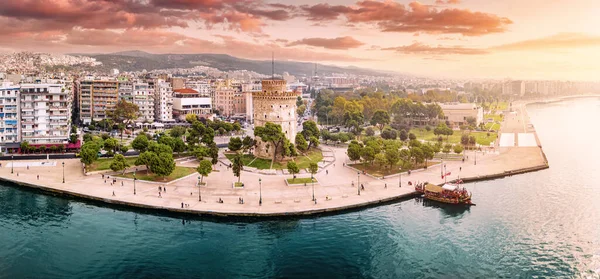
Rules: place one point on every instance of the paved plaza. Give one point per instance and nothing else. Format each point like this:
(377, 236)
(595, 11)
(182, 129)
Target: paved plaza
(337, 187)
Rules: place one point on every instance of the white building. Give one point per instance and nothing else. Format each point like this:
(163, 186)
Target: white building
(9, 115)
(143, 97)
(457, 113)
(163, 101)
(45, 113)
(189, 101)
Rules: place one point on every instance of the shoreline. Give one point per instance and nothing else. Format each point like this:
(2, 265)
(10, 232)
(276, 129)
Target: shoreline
(284, 201)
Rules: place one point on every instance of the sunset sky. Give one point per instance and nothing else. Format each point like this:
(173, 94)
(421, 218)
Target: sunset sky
(529, 39)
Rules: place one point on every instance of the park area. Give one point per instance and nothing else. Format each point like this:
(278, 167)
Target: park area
(380, 171)
(179, 172)
(302, 160)
(482, 138)
(302, 181)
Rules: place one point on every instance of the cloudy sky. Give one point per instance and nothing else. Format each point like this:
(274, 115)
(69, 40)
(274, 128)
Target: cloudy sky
(531, 39)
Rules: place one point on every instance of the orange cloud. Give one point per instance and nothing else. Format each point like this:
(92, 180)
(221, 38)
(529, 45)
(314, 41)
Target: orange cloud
(558, 41)
(420, 49)
(391, 16)
(442, 2)
(336, 43)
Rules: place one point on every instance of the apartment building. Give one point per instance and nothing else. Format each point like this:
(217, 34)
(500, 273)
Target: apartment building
(189, 101)
(143, 97)
(229, 99)
(45, 112)
(9, 115)
(163, 101)
(96, 98)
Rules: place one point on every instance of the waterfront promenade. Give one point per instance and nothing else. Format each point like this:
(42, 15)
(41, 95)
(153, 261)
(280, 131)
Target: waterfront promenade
(336, 189)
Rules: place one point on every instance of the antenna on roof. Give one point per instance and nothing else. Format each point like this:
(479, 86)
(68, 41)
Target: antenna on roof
(273, 65)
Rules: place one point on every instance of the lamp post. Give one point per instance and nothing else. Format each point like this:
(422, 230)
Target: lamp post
(260, 192)
(12, 164)
(63, 164)
(313, 185)
(476, 155)
(199, 194)
(134, 179)
(358, 184)
(400, 178)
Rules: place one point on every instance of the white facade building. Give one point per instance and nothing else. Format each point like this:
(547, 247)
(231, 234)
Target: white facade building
(143, 97)
(45, 113)
(163, 101)
(188, 101)
(9, 114)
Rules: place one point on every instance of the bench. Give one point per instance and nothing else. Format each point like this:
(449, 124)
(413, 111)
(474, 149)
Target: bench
(296, 201)
(277, 202)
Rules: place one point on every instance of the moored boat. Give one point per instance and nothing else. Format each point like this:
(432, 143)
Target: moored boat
(448, 193)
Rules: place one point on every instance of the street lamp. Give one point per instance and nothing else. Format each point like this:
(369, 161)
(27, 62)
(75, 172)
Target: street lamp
(199, 194)
(260, 192)
(134, 179)
(358, 185)
(476, 156)
(313, 185)
(400, 178)
(63, 164)
(12, 164)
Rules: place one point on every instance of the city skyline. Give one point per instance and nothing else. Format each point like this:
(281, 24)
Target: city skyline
(442, 38)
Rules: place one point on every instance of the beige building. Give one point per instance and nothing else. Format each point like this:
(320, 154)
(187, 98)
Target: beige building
(457, 113)
(276, 105)
(189, 101)
(96, 98)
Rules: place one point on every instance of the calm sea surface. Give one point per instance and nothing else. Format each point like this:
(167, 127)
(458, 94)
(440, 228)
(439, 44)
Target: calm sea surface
(543, 224)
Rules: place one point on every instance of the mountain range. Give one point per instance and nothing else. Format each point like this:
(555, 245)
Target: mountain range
(139, 60)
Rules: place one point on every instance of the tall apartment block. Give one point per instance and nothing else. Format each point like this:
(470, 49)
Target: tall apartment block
(45, 113)
(96, 99)
(163, 101)
(9, 115)
(143, 97)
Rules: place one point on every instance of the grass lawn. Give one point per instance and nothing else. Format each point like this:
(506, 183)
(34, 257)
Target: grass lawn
(104, 163)
(496, 117)
(300, 180)
(179, 172)
(302, 161)
(379, 171)
(492, 126)
(481, 137)
(238, 184)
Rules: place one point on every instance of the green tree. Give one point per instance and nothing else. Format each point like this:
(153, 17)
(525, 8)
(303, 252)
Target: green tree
(412, 136)
(111, 144)
(146, 159)
(447, 148)
(177, 131)
(293, 168)
(247, 143)
(213, 151)
(178, 145)
(354, 151)
(89, 153)
(163, 164)
(140, 143)
(124, 113)
(301, 110)
(313, 168)
(271, 133)
(237, 166)
(299, 101)
(314, 141)
(87, 137)
(369, 131)
(237, 126)
(119, 163)
(403, 135)
(368, 154)
(417, 154)
(389, 133)
(204, 169)
(235, 144)
(458, 149)
(380, 119)
(310, 129)
(428, 152)
(191, 118)
(392, 156)
(380, 160)
(301, 143)
(167, 140)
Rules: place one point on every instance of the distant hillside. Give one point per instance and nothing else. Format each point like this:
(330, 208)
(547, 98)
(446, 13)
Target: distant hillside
(139, 60)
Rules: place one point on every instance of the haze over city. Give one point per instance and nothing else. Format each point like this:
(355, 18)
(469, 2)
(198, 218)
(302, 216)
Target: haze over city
(443, 38)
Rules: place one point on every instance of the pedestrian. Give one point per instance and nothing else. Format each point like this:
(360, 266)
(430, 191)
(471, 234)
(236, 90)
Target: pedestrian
(159, 189)
(104, 181)
(27, 166)
(121, 183)
(38, 177)
(113, 193)
(386, 186)
(326, 171)
(17, 174)
(460, 169)
(102, 176)
(181, 205)
(159, 194)
(165, 189)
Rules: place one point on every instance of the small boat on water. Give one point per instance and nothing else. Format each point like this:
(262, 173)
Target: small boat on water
(448, 193)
